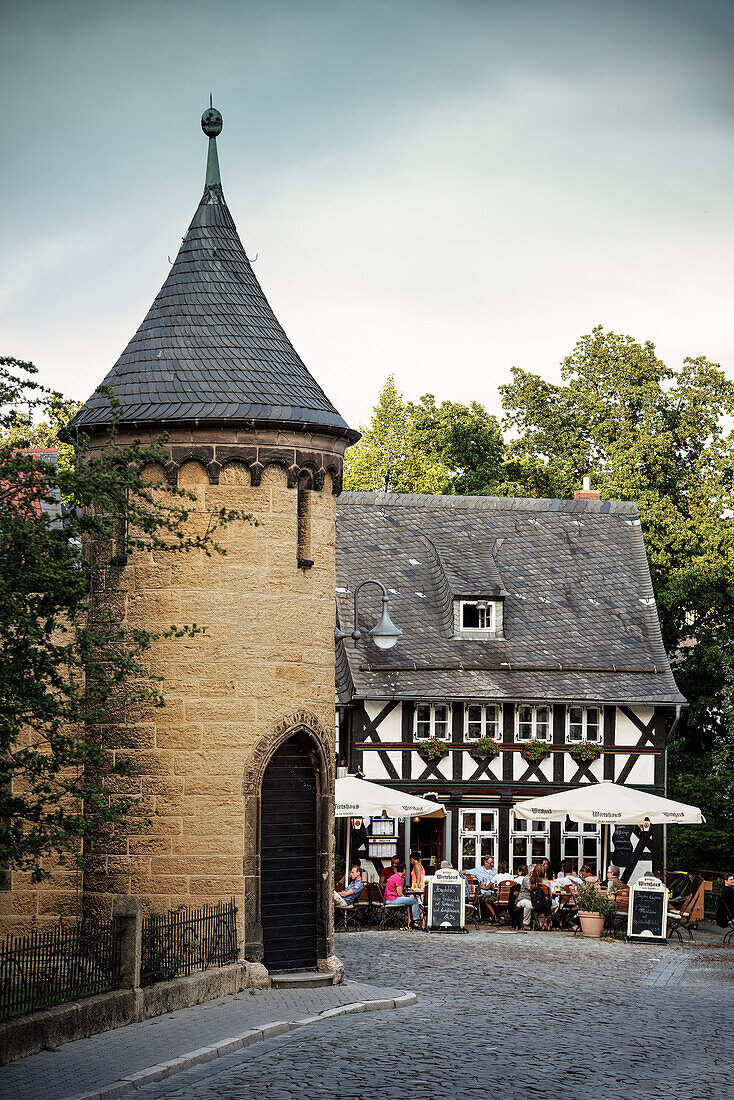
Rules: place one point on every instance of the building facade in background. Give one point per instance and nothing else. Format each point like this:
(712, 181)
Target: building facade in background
(529, 622)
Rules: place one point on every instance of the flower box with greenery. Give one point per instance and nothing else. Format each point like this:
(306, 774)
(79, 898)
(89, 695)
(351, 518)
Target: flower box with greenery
(485, 748)
(433, 748)
(594, 908)
(536, 750)
(586, 750)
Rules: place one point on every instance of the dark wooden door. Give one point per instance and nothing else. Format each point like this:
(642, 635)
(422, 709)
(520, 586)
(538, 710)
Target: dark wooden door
(288, 893)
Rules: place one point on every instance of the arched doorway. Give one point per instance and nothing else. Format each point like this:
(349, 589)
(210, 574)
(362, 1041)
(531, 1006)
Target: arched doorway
(288, 859)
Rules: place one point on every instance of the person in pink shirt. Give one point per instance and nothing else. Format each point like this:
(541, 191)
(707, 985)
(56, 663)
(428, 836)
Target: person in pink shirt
(395, 897)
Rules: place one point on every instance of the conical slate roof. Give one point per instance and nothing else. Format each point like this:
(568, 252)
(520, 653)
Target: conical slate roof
(210, 347)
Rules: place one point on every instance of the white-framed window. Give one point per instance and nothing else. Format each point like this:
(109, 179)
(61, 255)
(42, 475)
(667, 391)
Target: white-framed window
(583, 724)
(581, 844)
(478, 833)
(482, 720)
(432, 720)
(529, 842)
(476, 615)
(533, 723)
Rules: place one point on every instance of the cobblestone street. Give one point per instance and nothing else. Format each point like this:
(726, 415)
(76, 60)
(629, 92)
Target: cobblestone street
(519, 1016)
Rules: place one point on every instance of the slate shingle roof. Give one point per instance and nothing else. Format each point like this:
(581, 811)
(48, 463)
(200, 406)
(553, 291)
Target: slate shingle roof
(210, 347)
(580, 618)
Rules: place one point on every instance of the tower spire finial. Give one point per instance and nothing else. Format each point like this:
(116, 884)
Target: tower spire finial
(211, 124)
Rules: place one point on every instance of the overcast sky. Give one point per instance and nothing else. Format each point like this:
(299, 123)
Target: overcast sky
(435, 188)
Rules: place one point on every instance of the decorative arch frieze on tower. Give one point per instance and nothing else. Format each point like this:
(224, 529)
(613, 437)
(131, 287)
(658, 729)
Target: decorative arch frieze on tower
(317, 740)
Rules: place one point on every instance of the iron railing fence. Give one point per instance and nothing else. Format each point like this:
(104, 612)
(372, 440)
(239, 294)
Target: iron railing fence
(183, 940)
(46, 968)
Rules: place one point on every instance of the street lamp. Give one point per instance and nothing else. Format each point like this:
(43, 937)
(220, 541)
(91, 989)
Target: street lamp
(384, 633)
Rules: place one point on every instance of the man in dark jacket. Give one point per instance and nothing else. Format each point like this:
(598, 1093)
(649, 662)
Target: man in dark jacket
(725, 904)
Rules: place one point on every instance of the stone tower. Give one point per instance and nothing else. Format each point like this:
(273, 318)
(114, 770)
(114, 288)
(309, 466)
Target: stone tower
(253, 696)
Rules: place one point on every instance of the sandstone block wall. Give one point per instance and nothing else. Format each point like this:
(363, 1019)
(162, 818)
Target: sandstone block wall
(265, 653)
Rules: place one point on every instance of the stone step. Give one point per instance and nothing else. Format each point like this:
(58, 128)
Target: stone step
(300, 979)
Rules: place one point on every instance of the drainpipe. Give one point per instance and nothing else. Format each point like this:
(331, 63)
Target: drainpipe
(668, 739)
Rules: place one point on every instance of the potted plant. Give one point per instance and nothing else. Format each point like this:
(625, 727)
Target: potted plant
(433, 748)
(535, 750)
(594, 908)
(586, 750)
(485, 748)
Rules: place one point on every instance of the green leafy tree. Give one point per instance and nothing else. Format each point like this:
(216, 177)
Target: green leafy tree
(465, 439)
(660, 437)
(426, 447)
(388, 457)
(68, 668)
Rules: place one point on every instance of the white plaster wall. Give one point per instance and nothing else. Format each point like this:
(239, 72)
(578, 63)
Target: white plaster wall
(570, 766)
(626, 732)
(520, 766)
(375, 769)
(469, 766)
(643, 770)
(391, 727)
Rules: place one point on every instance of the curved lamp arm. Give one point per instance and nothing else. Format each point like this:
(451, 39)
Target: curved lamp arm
(384, 633)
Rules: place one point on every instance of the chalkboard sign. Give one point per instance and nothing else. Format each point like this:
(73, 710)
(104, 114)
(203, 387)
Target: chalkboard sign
(621, 845)
(647, 917)
(446, 902)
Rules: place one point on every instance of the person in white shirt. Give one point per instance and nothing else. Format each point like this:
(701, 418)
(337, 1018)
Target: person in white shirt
(503, 874)
(484, 874)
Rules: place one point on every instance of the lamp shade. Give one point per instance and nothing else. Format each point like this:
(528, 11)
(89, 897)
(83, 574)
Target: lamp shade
(384, 633)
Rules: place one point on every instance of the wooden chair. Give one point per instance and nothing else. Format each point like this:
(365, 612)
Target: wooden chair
(503, 905)
(617, 924)
(472, 903)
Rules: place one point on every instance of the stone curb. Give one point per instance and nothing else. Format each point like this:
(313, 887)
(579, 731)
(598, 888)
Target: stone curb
(163, 1070)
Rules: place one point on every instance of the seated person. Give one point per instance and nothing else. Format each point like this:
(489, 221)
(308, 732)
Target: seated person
(567, 876)
(345, 899)
(614, 882)
(417, 871)
(395, 897)
(520, 872)
(389, 870)
(503, 873)
(485, 874)
(587, 874)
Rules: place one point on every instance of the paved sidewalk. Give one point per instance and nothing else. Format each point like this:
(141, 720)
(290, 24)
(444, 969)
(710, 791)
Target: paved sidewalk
(117, 1062)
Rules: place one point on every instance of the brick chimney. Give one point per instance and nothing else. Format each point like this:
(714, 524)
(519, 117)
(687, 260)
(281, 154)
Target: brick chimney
(586, 492)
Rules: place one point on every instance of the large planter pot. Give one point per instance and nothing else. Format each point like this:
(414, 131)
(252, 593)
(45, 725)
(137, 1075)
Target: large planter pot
(477, 755)
(591, 924)
(535, 759)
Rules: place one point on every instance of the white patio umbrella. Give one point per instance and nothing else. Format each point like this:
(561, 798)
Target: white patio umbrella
(358, 798)
(606, 804)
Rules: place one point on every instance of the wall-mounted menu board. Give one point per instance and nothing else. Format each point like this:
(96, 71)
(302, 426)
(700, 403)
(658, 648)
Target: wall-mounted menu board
(446, 902)
(647, 917)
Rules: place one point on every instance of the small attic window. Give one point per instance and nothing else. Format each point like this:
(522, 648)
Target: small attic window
(477, 615)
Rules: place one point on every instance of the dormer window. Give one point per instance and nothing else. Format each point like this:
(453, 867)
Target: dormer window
(477, 615)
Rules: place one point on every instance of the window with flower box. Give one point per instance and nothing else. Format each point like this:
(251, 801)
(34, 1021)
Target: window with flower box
(533, 724)
(583, 724)
(432, 720)
(482, 721)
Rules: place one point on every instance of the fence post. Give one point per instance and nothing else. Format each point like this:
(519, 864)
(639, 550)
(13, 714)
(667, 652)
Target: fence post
(129, 912)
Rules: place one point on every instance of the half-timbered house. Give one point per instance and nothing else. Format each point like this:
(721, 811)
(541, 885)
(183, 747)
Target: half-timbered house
(529, 622)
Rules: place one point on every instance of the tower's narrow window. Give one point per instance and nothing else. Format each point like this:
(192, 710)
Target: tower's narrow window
(304, 522)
